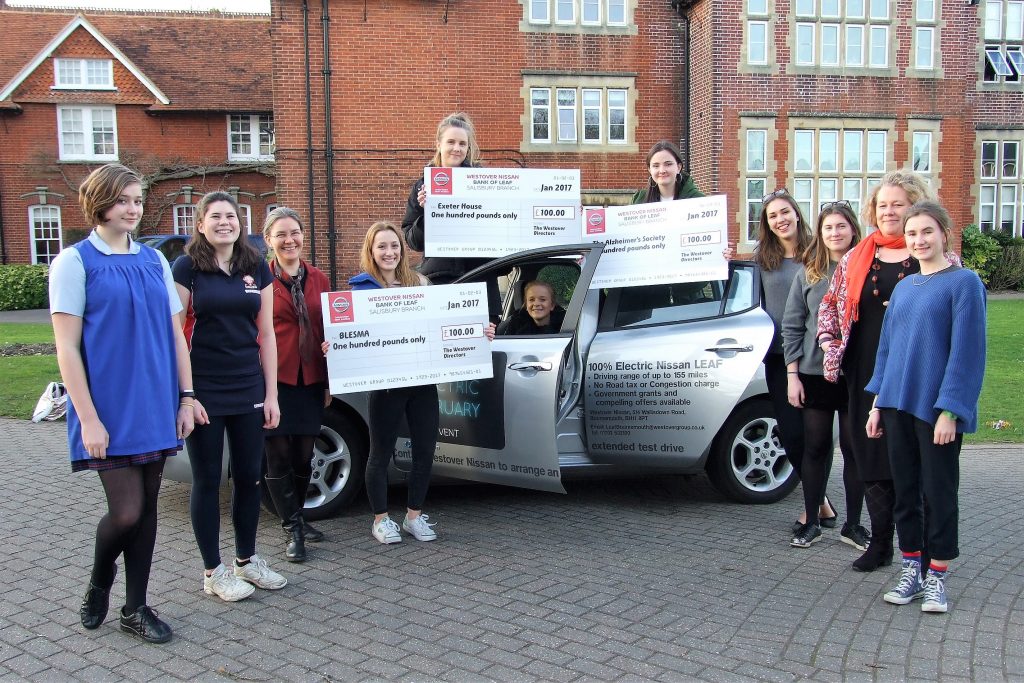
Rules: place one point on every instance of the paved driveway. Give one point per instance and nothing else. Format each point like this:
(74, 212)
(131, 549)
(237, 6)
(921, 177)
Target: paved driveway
(652, 580)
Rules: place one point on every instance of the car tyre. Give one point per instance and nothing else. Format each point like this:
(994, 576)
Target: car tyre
(747, 461)
(339, 461)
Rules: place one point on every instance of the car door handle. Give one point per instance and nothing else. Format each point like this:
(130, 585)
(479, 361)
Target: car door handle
(731, 347)
(531, 365)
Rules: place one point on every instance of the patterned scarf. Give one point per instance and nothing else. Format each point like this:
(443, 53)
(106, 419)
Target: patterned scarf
(308, 349)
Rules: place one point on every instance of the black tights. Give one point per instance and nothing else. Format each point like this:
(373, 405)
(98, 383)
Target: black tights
(290, 455)
(129, 527)
(818, 462)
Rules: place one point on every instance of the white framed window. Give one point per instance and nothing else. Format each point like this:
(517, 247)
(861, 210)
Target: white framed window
(184, 218)
(592, 123)
(830, 44)
(566, 114)
(1001, 193)
(830, 164)
(854, 9)
(44, 232)
(565, 15)
(540, 114)
(830, 9)
(755, 179)
(757, 8)
(826, 36)
(921, 153)
(83, 74)
(250, 137)
(806, 8)
(87, 133)
(879, 48)
(854, 45)
(1004, 42)
(587, 116)
(805, 43)
(757, 42)
(924, 54)
(879, 9)
(245, 218)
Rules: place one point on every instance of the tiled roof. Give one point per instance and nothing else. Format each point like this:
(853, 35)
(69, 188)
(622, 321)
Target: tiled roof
(200, 61)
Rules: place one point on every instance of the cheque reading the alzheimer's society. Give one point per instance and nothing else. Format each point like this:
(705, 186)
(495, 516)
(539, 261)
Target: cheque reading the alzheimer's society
(387, 338)
(490, 212)
(659, 243)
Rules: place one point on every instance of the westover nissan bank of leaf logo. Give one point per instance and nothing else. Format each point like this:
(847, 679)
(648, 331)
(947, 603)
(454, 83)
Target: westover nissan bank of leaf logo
(440, 181)
(341, 307)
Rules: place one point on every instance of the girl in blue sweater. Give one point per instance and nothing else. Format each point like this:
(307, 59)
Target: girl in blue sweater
(927, 379)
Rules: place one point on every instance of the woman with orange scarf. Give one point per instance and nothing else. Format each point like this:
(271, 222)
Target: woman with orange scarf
(849, 327)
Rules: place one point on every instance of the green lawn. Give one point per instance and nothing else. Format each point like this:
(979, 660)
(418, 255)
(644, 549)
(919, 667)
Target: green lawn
(1004, 375)
(25, 377)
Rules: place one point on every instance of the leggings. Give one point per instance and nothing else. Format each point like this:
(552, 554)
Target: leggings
(205, 449)
(386, 407)
(129, 527)
(818, 460)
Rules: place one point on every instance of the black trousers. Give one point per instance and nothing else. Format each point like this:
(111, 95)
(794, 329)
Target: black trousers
(790, 419)
(386, 408)
(922, 469)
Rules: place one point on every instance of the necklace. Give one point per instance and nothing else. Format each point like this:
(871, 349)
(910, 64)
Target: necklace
(918, 282)
(876, 266)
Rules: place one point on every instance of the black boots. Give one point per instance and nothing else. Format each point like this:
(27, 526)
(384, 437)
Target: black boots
(282, 491)
(301, 486)
(879, 497)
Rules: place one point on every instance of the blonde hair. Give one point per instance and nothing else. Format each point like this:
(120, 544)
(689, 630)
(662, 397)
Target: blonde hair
(404, 273)
(458, 120)
(910, 182)
(101, 190)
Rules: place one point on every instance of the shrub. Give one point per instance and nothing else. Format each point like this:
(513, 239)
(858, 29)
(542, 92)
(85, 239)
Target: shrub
(1008, 271)
(23, 287)
(980, 251)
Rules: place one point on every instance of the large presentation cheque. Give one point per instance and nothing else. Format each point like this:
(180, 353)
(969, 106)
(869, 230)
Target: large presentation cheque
(489, 212)
(387, 338)
(658, 243)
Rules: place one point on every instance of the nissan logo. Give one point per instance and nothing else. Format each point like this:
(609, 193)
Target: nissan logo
(341, 305)
(441, 178)
(596, 219)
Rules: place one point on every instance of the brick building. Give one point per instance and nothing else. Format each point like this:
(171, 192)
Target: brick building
(820, 96)
(170, 95)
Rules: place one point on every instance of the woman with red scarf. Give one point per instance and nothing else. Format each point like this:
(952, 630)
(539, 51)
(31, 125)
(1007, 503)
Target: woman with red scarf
(849, 327)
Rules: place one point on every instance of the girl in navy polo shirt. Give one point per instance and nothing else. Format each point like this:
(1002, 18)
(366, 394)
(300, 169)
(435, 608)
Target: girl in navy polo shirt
(301, 376)
(226, 290)
(114, 312)
(927, 380)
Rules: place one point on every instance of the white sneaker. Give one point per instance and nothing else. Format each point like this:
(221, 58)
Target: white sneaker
(259, 574)
(420, 528)
(386, 531)
(226, 585)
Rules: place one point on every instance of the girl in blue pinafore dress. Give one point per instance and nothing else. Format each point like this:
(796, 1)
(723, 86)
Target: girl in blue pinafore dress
(126, 367)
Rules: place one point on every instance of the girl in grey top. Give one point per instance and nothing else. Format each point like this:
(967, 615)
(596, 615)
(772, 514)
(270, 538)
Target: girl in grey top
(818, 400)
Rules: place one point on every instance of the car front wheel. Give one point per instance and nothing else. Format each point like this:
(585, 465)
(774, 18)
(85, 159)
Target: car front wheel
(747, 460)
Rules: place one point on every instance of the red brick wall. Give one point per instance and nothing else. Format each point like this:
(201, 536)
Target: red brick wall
(400, 69)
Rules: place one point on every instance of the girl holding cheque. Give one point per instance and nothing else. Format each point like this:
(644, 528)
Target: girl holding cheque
(927, 379)
(385, 262)
(456, 146)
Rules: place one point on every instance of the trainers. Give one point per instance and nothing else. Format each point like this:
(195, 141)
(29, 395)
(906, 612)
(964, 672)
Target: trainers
(909, 586)
(144, 624)
(257, 572)
(855, 535)
(934, 593)
(420, 528)
(226, 585)
(386, 531)
(808, 534)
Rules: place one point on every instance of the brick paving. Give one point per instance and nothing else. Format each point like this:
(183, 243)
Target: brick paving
(658, 579)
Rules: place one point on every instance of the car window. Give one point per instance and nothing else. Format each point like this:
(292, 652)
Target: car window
(562, 277)
(172, 249)
(680, 301)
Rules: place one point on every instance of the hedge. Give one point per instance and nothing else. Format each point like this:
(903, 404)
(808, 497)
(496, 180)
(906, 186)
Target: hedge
(23, 287)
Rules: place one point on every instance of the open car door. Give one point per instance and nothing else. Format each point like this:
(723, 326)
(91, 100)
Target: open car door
(502, 430)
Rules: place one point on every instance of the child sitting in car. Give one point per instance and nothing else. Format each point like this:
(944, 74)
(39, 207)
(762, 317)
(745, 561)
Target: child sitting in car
(539, 314)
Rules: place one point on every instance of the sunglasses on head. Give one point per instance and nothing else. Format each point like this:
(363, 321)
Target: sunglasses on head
(774, 195)
(841, 204)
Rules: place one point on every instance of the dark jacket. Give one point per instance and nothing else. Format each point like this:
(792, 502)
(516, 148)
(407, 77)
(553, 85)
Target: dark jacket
(440, 270)
(520, 322)
(685, 189)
